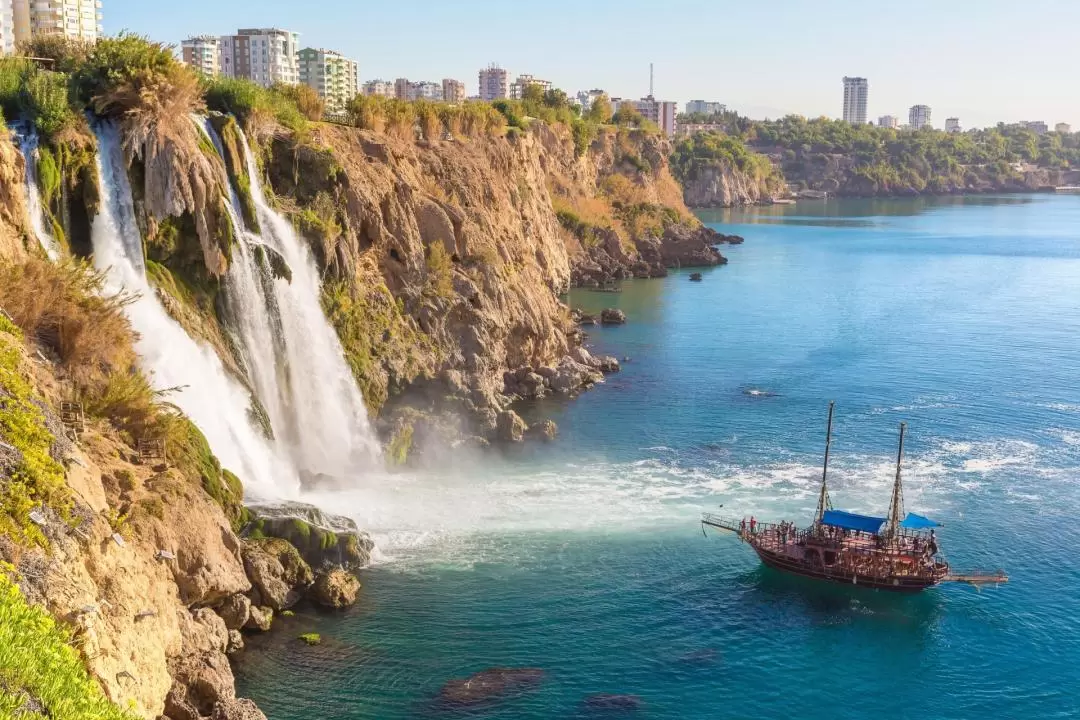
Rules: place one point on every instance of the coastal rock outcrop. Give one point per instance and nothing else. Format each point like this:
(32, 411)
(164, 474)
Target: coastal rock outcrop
(336, 588)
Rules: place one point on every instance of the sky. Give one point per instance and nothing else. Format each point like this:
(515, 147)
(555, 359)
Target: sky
(983, 61)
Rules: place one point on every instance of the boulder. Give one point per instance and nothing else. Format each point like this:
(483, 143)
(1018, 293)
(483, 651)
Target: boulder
(583, 356)
(608, 364)
(235, 611)
(510, 427)
(490, 685)
(236, 643)
(546, 431)
(266, 574)
(261, 618)
(336, 588)
(237, 709)
(612, 316)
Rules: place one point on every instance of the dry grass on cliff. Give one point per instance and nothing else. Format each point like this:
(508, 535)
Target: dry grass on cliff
(62, 308)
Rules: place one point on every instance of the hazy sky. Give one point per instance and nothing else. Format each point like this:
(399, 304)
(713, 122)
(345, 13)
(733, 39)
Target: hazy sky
(982, 61)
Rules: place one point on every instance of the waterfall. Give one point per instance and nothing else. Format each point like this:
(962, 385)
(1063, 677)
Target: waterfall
(295, 359)
(208, 395)
(28, 144)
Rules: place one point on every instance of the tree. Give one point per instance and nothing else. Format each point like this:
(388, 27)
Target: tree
(601, 110)
(627, 115)
(556, 98)
(533, 93)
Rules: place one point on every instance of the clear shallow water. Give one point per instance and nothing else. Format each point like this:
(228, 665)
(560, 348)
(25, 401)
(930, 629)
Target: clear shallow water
(585, 559)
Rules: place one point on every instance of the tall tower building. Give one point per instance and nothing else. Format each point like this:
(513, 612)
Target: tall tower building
(75, 19)
(7, 27)
(856, 90)
(919, 117)
(263, 55)
(494, 83)
(203, 52)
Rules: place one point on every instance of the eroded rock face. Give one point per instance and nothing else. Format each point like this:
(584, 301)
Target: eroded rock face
(322, 539)
(267, 577)
(336, 588)
(235, 611)
(237, 710)
(261, 618)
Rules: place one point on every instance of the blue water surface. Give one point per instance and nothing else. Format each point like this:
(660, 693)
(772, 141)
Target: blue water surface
(585, 559)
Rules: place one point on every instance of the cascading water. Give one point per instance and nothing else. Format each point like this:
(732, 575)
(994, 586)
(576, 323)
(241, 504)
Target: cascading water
(294, 358)
(213, 400)
(28, 144)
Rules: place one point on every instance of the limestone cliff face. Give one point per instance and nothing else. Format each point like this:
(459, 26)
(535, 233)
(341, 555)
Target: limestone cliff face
(841, 175)
(13, 217)
(720, 185)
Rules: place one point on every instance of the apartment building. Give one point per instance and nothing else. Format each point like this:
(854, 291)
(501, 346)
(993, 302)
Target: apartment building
(202, 52)
(381, 88)
(1063, 128)
(856, 95)
(517, 88)
(7, 27)
(888, 121)
(953, 125)
(453, 91)
(661, 112)
(1036, 126)
(75, 19)
(331, 74)
(265, 56)
(696, 107)
(919, 117)
(586, 98)
(494, 83)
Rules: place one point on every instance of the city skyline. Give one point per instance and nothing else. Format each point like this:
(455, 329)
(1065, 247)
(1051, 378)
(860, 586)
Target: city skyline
(797, 75)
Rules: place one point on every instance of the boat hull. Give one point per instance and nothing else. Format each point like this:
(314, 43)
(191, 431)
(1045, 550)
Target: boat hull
(899, 584)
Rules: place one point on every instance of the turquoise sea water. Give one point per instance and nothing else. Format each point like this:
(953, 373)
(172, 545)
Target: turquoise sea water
(585, 559)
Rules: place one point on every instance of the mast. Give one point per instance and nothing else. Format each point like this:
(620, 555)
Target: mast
(896, 506)
(824, 503)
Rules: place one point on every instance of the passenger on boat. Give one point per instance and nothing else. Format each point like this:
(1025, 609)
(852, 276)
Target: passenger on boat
(753, 525)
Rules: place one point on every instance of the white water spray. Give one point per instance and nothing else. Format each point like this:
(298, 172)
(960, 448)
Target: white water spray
(213, 400)
(293, 357)
(28, 144)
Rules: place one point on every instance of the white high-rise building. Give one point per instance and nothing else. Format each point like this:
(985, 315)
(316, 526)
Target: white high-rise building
(953, 125)
(75, 19)
(701, 107)
(494, 83)
(919, 117)
(264, 56)
(517, 88)
(203, 52)
(7, 27)
(888, 121)
(453, 91)
(331, 74)
(856, 91)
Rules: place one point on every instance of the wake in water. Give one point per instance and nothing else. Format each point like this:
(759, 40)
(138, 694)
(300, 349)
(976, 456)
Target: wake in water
(214, 401)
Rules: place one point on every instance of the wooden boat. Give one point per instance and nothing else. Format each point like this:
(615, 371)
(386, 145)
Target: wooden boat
(899, 552)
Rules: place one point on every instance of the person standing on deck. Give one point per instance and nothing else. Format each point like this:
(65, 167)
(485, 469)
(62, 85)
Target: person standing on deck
(753, 525)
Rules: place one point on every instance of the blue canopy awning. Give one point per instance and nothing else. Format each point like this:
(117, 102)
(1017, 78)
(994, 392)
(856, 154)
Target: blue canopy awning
(918, 522)
(851, 521)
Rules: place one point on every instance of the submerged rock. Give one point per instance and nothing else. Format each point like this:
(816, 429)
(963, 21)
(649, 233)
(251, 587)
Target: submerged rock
(695, 277)
(608, 702)
(490, 685)
(612, 316)
(336, 588)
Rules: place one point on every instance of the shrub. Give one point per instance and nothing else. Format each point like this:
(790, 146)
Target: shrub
(249, 102)
(440, 270)
(304, 97)
(39, 665)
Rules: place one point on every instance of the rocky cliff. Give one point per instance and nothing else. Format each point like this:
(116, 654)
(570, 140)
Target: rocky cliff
(719, 184)
(442, 264)
(843, 175)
